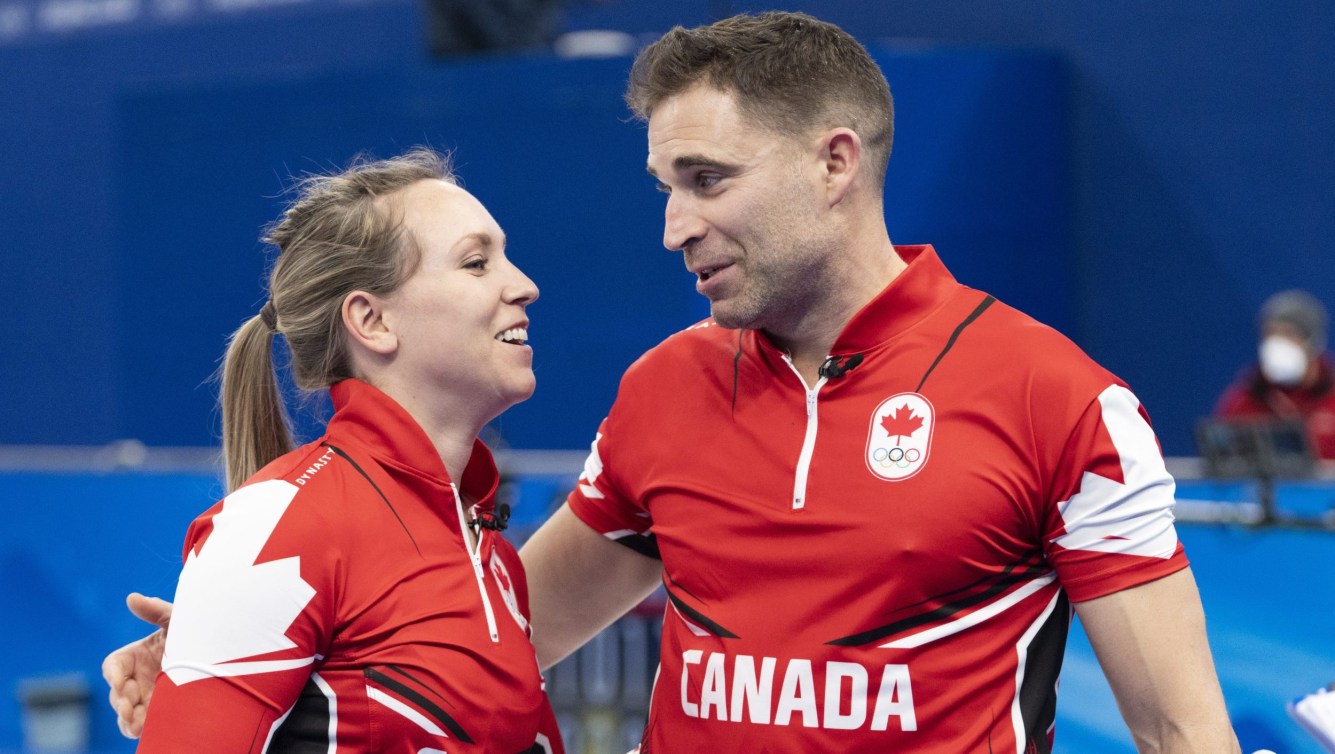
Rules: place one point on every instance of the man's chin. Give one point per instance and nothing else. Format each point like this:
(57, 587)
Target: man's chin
(731, 319)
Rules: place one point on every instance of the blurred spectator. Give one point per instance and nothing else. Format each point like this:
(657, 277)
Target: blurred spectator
(1292, 377)
(469, 27)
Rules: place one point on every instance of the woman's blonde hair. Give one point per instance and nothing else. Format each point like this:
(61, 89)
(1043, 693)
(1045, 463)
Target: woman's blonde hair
(335, 238)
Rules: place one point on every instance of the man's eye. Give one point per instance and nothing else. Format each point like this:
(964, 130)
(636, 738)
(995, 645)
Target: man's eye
(706, 180)
(663, 188)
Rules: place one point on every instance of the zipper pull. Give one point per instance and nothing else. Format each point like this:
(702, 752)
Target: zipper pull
(811, 402)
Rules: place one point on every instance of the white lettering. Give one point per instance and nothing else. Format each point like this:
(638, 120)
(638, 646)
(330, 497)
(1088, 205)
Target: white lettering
(688, 658)
(895, 679)
(320, 463)
(847, 698)
(798, 695)
(715, 690)
(755, 691)
(835, 673)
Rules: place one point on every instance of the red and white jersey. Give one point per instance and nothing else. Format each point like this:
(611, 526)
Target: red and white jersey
(333, 604)
(881, 561)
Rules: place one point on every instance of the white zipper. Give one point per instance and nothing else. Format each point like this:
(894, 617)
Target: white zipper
(808, 442)
(477, 563)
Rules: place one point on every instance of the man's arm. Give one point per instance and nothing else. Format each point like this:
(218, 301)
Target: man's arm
(1151, 642)
(579, 582)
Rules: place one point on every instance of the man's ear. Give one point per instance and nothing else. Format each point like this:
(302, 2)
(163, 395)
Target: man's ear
(841, 158)
(364, 319)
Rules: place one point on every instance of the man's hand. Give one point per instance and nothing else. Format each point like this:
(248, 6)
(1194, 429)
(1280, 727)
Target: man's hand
(131, 670)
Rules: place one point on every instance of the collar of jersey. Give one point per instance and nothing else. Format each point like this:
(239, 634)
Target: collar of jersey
(372, 419)
(918, 291)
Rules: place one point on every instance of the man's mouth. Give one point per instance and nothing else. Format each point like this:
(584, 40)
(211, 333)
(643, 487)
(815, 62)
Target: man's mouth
(709, 272)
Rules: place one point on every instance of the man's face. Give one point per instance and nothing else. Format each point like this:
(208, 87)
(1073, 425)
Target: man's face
(744, 206)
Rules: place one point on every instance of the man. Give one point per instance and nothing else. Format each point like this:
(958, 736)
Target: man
(1293, 377)
(872, 494)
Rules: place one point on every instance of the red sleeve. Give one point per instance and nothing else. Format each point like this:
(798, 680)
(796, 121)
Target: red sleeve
(601, 499)
(1111, 523)
(246, 629)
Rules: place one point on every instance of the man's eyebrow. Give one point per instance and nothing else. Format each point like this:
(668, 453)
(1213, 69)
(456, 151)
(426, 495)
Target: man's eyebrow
(689, 161)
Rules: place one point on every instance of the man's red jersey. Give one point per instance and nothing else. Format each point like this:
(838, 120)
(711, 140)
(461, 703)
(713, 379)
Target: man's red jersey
(881, 561)
(333, 603)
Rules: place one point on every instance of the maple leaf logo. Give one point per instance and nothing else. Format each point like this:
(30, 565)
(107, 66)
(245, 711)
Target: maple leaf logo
(901, 423)
(229, 608)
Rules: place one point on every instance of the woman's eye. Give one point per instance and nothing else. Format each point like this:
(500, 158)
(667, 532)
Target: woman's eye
(476, 264)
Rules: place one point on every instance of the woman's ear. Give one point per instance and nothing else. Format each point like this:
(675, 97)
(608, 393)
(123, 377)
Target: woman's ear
(364, 319)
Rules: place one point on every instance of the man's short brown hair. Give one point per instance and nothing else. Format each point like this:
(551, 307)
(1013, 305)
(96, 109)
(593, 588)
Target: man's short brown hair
(789, 72)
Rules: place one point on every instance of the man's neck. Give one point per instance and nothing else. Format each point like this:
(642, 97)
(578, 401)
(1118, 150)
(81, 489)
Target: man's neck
(809, 342)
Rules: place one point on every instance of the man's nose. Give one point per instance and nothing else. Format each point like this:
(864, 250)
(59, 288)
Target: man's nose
(682, 225)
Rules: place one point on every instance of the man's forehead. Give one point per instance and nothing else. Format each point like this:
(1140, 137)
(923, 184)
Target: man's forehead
(699, 128)
(697, 105)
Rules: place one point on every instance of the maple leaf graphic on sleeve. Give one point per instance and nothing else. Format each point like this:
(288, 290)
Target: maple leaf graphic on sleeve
(230, 609)
(901, 423)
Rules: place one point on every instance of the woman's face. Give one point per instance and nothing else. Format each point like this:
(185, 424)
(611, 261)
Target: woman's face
(459, 319)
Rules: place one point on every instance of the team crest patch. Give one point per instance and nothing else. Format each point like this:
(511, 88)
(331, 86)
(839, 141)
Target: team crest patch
(900, 436)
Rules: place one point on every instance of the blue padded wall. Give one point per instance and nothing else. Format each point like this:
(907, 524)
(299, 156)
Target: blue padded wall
(76, 543)
(137, 265)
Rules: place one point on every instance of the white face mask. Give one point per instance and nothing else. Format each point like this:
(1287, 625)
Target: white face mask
(1283, 362)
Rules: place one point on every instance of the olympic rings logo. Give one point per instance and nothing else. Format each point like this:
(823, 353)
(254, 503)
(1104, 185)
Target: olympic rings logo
(895, 457)
(899, 437)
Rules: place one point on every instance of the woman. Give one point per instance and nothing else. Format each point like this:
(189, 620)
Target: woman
(354, 594)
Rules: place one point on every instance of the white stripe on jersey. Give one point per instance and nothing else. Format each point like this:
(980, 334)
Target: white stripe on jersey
(329, 694)
(1134, 517)
(593, 468)
(1022, 656)
(994, 608)
(403, 709)
(194, 671)
(694, 628)
(268, 740)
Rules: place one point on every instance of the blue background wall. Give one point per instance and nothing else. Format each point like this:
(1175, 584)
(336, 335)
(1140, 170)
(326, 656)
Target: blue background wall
(1143, 188)
(1202, 164)
(135, 238)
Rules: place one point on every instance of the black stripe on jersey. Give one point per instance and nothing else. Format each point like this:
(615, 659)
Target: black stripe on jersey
(306, 729)
(1015, 573)
(343, 454)
(421, 701)
(644, 544)
(696, 616)
(977, 312)
(736, 359)
(1042, 665)
(419, 683)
